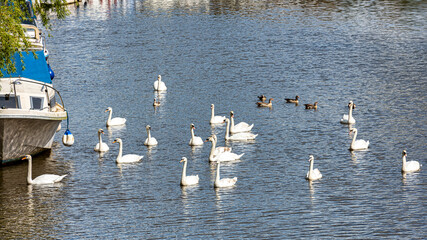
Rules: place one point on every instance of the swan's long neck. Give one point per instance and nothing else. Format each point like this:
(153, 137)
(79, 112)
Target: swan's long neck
(120, 151)
(30, 172)
(212, 149)
(213, 113)
(158, 83)
(403, 161)
(184, 171)
(100, 139)
(232, 123)
(227, 130)
(217, 173)
(311, 166)
(192, 133)
(148, 134)
(109, 116)
(354, 138)
(350, 112)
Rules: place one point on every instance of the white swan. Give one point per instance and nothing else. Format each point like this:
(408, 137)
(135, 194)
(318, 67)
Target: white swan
(216, 119)
(42, 179)
(128, 158)
(195, 141)
(115, 121)
(348, 119)
(159, 85)
(149, 141)
(187, 180)
(410, 166)
(244, 136)
(240, 127)
(225, 182)
(101, 146)
(358, 144)
(313, 174)
(221, 154)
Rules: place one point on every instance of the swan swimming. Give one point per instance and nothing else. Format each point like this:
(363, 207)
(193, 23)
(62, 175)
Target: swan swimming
(313, 174)
(149, 141)
(357, 144)
(215, 119)
(243, 136)
(42, 179)
(101, 146)
(221, 154)
(128, 158)
(225, 182)
(187, 180)
(348, 119)
(159, 85)
(240, 127)
(195, 141)
(410, 166)
(115, 121)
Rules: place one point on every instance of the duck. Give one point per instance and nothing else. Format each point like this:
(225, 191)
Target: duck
(187, 180)
(159, 85)
(264, 104)
(291, 100)
(357, 144)
(221, 154)
(42, 179)
(240, 127)
(348, 119)
(149, 141)
(101, 146)
(243, 136)
(115, 121)
(225, 182)
(215, 119)
(313, 174)
(410, 166)
(311, 106)
(262, 98)
(128, 158)
(156, 103)
(194, 141)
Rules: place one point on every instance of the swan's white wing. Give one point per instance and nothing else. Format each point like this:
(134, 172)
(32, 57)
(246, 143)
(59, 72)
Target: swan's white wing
(190, 180)
(117, 121)
(412, 166)
(130, 158)
(48, 179)
(218, 119)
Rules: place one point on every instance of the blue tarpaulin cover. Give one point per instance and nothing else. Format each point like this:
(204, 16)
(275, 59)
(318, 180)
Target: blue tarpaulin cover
(35, 69)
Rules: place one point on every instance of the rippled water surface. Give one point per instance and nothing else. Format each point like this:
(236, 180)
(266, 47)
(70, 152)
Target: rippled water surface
(227, 53)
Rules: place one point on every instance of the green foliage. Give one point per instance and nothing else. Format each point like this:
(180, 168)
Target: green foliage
(12, 34)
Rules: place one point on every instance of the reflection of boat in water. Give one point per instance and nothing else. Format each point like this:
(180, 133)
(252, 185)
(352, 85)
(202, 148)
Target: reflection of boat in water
(29, 113)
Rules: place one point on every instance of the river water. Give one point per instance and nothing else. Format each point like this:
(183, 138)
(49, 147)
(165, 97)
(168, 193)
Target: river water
(109, 53)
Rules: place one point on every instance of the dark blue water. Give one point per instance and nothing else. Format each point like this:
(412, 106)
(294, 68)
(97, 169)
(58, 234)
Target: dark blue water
(227, 53)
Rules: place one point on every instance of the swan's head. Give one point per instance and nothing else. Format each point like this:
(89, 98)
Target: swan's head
(353, 130)
(159, 77)
(101, 131)
(226, 120)
(311, 158)
(209, 139)
(231, 114)
(212, 106)
(192, 126)
(108, 109)
(117, 140)
(148, 127)
(183, 159)
(404, 153)
(26, 157)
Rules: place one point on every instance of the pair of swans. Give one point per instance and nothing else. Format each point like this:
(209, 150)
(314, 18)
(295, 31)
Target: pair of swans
(117, 121)
(159, 85)
(128, 158)
(313, 174)
(409, 166)
(221, 154)
(149, 141)
(101, 146)
(42, 179)
(357, 144)
(195, 140)
(241, 136)
(240, 127)
(216, 119)
(187, 180)
(348, 119)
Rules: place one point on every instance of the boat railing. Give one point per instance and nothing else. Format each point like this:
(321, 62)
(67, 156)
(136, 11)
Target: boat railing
(45, 86)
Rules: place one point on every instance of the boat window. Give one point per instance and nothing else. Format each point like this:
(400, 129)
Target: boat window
(36, 103)
(7, 101)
